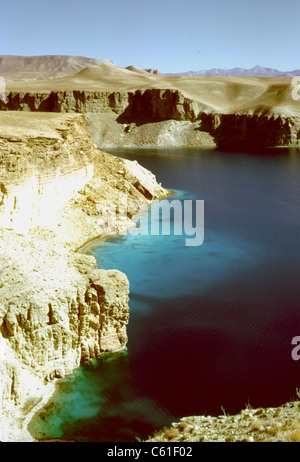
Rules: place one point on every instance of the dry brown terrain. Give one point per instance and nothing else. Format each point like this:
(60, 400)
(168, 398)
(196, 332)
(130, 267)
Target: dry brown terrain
(130, 107)
(217, 94)
(34, 67)
(78, 219)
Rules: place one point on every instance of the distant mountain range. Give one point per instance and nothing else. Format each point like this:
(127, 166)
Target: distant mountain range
(45, 66)
(256, 71)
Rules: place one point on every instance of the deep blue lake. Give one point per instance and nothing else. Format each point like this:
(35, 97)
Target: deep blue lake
(210, 326)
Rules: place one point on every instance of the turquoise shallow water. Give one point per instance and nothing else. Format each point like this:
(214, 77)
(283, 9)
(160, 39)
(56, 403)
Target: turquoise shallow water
(210, 326)
(164, 266)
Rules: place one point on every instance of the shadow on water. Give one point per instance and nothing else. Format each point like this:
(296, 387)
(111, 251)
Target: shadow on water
(186, 356)
(97, 403)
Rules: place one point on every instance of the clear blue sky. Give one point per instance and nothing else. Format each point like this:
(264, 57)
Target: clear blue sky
(170, 35)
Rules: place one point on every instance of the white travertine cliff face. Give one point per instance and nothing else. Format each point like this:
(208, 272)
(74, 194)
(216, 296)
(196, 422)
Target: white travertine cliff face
(38, 200)
(39, 175)
(57, 309)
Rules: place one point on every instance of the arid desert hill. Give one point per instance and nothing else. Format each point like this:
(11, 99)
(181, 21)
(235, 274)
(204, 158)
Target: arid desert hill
(53, 181)
(216, 94)
(14, 67)
(133, 107)
(45, 66)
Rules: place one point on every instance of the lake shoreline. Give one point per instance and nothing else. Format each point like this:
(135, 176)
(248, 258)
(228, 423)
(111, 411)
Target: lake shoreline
(283, 162)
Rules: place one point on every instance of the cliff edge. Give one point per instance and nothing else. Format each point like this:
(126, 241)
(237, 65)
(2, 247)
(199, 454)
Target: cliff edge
(127, 108)
(57, 309)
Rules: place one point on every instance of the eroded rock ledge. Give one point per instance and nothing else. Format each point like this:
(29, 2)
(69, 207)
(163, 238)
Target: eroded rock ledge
(168, 117)
(57, 309)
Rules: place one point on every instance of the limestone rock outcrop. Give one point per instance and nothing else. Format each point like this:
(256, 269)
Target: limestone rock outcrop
(39, 172)
(252, 130)
(57, 309)
(154, 104)
(152, 71)
(163, 117)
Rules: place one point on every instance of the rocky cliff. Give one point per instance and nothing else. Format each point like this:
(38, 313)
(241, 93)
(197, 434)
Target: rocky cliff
(252, 130)
(57, 309)
(151, 104)
(163, 117)
(41, 171)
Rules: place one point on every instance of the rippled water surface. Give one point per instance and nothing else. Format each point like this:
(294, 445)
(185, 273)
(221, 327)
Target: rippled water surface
(210, 326)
